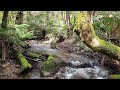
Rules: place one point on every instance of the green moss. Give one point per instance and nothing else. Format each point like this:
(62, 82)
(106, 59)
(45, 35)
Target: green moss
(110, 49)
(80, 19)
(88, 36)
(83, 25)
(23, 61)
(51, 66)
(32, 54)
(114, 76)
(48, 65)
(50, 58)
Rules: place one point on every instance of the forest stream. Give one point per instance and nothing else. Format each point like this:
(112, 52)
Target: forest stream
(76, 66)
(60, 45)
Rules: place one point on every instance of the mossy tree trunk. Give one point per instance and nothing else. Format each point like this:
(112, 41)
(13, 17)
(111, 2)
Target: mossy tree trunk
(85, 30)
(4, 27)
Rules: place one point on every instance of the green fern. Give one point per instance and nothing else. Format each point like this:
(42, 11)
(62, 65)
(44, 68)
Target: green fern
(22, 31)
(16, 34)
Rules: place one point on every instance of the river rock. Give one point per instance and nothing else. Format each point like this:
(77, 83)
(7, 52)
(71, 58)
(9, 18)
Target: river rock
(51, 66)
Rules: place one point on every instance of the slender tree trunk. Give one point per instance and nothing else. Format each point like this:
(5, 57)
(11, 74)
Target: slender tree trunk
(86, 31)
(19, 17)
(4, 26)
(68, 23)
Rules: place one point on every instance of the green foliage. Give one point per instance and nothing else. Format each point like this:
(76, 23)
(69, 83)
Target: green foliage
(49, 21)
(48, 65)
(12, 17)
(36, 22)
(105, 22)
(16, 34)
(22, 31)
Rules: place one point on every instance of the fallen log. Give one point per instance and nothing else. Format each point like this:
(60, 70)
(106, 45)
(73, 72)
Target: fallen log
(32, 54)
(45, 51)
(51, 66)
(35, 56)
(116, 76)
(24, 63)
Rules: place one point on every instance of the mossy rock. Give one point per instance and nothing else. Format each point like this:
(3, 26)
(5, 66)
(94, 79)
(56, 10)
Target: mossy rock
(51, 66)
(114, 76)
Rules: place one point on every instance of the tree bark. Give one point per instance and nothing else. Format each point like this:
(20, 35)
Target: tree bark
(19, 18)
(4, 19)
(4, 26)
(68, 23)
(86, 32)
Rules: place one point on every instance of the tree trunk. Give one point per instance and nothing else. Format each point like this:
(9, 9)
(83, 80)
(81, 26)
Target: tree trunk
(68, 23)
(86, 31)
(4, 19)
(19, 18)
(4, 26)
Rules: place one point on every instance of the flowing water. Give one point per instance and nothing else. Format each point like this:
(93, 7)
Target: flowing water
(77, 70)
(76, 67)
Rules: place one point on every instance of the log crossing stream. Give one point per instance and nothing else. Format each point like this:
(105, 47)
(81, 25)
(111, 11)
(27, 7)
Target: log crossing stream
(76, 67)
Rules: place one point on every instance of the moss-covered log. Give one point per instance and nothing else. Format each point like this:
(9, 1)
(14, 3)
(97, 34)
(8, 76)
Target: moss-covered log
(87, 34)
(51, 66)
(32, 54)
(114, 76)
(25, 65)
(28, 38)
(35, 56)
(44, 51)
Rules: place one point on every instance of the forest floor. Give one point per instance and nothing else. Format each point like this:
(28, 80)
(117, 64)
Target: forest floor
(10, 69)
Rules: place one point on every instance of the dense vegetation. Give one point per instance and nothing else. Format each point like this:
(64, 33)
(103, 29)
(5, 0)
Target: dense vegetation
(91, 32)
